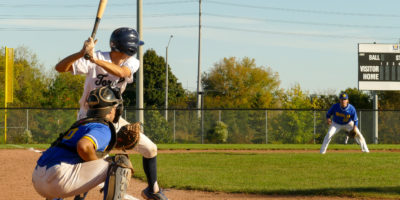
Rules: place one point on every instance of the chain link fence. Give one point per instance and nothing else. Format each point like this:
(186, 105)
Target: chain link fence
(257, 126)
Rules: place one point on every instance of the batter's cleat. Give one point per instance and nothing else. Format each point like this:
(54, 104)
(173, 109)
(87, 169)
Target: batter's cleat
(146, 194)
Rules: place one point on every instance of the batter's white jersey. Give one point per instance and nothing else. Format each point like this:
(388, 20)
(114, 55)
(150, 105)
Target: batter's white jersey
(96, 76)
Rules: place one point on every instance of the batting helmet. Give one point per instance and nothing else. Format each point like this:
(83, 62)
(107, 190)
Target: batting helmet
(101, 101)
(125, 40)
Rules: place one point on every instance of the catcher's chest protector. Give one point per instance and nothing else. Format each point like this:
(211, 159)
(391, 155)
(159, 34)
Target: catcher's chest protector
(82, 122)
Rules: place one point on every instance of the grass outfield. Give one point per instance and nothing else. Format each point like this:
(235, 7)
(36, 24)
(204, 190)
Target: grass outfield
(335, 174)
(357, 174)
(275, 146)
(237, 146)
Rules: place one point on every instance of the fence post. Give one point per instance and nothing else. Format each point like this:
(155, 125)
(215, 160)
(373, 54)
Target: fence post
(202, 126)
(314, 126)
(266, 127)
(219, 115)
(174, 126)
(359, 121)
(27, 119)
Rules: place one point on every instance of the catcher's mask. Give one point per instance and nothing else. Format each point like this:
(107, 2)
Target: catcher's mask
(101, 101)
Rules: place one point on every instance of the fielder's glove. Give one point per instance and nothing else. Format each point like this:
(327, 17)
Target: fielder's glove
(351, 134)
(128, 136)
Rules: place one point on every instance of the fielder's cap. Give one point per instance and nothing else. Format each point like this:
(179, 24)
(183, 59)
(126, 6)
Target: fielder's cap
(344, 96)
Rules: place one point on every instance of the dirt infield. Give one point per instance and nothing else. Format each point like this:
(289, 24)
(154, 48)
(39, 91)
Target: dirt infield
(17, 166)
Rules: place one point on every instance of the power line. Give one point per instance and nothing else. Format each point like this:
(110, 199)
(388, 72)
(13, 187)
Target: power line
(119, 16)
(160, 3)
(170, 2)
(298, 33)
(35, 17)
(171, 27)
(304, 22)
(325, 12)
(218, 28)
(88, 5)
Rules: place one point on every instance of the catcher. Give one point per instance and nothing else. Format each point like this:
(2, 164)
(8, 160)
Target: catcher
(344, 117)
(75, 163)
(115, 68)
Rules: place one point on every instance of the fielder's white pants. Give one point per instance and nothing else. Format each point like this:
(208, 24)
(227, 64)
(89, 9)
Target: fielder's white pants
(334, 128)
(66, 180)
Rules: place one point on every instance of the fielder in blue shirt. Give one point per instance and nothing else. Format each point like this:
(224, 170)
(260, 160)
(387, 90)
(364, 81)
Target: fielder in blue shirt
(344, 116)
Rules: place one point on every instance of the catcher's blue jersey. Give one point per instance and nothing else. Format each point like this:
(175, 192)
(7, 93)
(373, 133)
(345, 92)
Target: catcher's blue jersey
(343, 115)
(99, 134)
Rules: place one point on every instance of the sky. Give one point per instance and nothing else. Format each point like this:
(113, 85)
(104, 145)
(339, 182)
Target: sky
(312, 43)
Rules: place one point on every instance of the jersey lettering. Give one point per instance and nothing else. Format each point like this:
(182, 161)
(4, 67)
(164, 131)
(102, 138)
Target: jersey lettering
(122, 79)
(345, 117)
(71, 133)
(339, 114)
(101, 81)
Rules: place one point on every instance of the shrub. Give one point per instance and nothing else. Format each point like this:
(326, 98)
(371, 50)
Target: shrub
(219, 134)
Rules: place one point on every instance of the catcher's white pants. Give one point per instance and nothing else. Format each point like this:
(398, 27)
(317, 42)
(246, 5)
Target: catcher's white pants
(334, 128)
(66, 180)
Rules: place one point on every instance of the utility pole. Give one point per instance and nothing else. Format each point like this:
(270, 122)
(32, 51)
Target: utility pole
(166, 79)
(199, 67)
(139, 75)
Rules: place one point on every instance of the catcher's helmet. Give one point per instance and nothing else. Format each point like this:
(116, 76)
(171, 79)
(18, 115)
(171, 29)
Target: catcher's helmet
(125, 40)
(101, 100)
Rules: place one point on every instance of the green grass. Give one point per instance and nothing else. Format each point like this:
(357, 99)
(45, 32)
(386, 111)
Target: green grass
(237, 146)
(274, 146)
(335, 174)
(372, 175)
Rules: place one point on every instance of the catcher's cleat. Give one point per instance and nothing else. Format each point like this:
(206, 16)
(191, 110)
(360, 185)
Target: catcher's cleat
(146, 194)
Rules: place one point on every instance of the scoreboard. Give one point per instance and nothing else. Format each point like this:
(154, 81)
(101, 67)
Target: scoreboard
(378, 67)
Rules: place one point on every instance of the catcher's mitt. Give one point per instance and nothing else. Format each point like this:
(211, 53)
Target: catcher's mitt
(128, 136)
(351, 133)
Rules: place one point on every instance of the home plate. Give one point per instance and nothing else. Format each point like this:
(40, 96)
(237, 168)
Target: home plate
(34, 150)
(127, 196)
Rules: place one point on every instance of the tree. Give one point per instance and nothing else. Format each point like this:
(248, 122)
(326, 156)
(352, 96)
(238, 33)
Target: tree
(236, 83)
(156, 128)
(388, 131)
(359, 99)
(30, 80)
(65, 90)
(293, 127)
(154, 84)
(389, 100)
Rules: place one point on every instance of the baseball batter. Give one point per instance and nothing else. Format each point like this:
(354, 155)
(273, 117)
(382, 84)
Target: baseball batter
(115, 68)
(344, 116)
(75, 162)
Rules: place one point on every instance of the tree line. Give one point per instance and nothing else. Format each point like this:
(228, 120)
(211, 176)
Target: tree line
(230, 84)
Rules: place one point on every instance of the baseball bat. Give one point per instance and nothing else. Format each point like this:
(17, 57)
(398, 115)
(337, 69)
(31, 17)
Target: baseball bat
(100, 11)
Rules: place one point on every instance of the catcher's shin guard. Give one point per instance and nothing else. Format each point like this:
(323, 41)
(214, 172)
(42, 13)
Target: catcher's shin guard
(118, 177)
